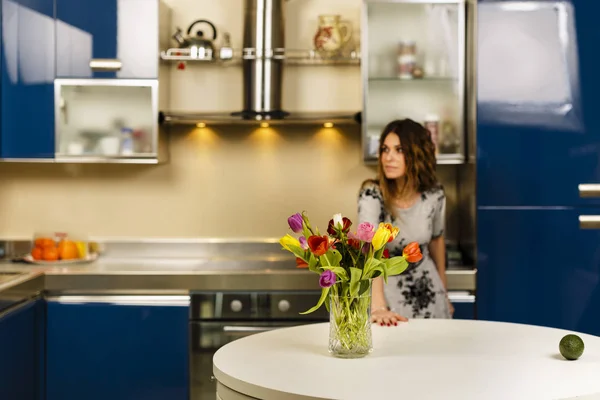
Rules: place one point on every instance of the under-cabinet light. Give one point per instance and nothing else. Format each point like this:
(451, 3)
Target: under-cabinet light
(264, 124)
(201, 125)
(328, 125)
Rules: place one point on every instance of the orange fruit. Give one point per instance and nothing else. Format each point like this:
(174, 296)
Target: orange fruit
(36, 253)
(44, 242)
(50, 254)
(67, 250)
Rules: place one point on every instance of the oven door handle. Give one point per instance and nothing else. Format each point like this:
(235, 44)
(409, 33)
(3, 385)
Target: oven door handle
(249, 329)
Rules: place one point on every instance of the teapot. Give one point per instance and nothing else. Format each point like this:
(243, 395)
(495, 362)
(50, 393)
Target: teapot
(198, 44)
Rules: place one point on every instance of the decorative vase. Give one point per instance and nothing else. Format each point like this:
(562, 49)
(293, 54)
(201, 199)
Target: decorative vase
(332, 34)
(350, 320)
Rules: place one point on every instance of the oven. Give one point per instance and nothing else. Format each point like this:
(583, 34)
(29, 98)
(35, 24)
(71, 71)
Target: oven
(217, 318)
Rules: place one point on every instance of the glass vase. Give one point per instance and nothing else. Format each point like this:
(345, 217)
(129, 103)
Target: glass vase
(350, 321)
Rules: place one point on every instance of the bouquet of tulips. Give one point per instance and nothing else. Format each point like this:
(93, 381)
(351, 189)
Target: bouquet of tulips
(348, 260)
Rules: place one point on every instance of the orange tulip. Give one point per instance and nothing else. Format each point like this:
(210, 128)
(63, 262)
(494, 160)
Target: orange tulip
(300, 263)
(393, 231)
(412, 252)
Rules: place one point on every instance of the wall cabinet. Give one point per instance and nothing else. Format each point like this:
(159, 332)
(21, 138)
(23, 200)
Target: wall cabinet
(106, 55)
(117, 347)
(413, 66)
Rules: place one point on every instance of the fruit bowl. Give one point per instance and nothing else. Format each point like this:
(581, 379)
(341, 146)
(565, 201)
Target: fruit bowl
(60, 248)
(90, 258)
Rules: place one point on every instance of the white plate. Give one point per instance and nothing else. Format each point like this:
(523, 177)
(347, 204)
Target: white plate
(91, 257)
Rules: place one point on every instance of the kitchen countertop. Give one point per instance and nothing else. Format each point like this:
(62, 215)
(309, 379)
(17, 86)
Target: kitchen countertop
(168, 276)
(421, 359)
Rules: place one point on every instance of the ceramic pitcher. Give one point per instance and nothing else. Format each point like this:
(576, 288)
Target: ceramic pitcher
(332, 34)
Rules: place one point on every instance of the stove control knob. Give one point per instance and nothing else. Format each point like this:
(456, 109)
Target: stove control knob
(283, 305)
(236, 306)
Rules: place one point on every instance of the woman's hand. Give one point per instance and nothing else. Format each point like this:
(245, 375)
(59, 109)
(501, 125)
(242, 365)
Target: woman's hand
(450, 307)
(383, 317)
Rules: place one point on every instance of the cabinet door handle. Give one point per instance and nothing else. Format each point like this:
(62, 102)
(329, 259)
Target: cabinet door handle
(105, 64)
(587, 190)
(589, 221)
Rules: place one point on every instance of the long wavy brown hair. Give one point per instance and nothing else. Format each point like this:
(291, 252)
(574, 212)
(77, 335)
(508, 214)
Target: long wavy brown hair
(419, 156)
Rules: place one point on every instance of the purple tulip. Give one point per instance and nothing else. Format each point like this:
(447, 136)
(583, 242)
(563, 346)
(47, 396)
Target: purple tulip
(303, 242)
(366, 247)
(295, 222)
(327, 279)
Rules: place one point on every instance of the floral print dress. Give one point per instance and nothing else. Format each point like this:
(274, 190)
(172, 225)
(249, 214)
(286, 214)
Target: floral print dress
(418, 292)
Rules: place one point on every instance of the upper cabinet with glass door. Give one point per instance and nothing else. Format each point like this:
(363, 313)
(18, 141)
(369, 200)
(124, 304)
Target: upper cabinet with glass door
(414, 67)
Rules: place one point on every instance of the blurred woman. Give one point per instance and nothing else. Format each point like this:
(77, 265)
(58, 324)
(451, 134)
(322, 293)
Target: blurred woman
(408, 195)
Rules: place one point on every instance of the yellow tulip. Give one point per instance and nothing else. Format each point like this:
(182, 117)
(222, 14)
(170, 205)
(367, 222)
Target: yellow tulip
(381, 237)
(288, 240)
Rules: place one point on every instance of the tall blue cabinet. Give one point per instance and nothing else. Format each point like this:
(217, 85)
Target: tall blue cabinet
(535, 144)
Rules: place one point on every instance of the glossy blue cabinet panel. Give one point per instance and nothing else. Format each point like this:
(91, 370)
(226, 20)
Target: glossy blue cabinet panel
(123, 30)
(520, 164)
(27, 65)
(21, 363)
(538, 267)
(463, 310)
(99, 351)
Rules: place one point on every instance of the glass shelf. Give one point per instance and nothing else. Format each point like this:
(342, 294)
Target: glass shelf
(236, 56)
(442, 159)
(414, 80)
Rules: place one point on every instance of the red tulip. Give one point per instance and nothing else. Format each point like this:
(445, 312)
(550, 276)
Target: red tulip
(318, 244)
(412, 252)
(386, 253)
(354, 243)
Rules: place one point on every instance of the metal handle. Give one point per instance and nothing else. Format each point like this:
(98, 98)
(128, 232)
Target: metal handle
(248, 329)
(132, 300)
(461, 297)
(105, 64)
(589, 221)
(587, 190)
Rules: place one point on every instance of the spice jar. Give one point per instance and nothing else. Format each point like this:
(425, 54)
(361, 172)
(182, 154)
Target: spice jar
(407, 58)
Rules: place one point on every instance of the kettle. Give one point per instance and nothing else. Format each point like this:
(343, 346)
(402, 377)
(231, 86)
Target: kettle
(199, 45)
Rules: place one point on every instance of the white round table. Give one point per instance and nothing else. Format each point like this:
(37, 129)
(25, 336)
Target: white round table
(421, 359)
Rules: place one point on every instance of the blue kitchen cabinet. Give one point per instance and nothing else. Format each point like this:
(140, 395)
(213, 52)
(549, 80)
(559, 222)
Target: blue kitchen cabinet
(535, 264)
(27, 86)
(22, 359)
(120, 34)
(538, 267)
(116, 351)
(535, 158)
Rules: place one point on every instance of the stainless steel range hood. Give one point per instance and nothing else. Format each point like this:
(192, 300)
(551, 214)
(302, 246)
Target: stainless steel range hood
(263, 58)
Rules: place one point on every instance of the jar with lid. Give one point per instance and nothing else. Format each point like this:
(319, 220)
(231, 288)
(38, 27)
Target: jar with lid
(407, 58)
(432, 124)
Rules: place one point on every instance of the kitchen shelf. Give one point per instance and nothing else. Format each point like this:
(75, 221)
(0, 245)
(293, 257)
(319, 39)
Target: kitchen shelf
(289, 57)
(413, 80)
(442, 159)
(295, 118)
